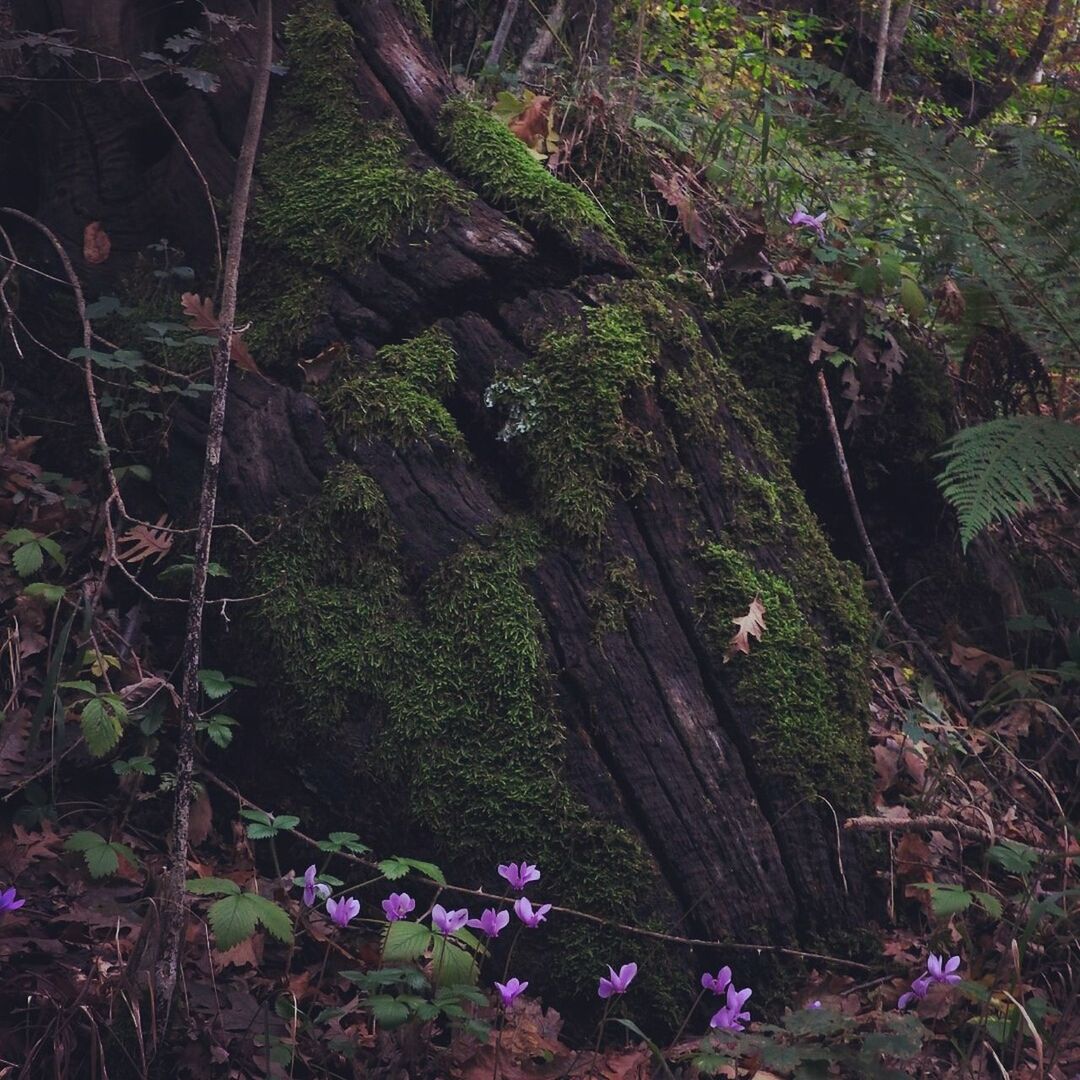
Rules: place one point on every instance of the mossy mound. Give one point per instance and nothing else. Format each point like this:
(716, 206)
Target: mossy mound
(399, 395)
(463, 752)
(500, 166)
(333, 186)
(566, 410)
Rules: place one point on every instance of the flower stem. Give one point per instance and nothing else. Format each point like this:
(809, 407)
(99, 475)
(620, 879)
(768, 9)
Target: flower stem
(510, 954)
(498, 1042)
(603, 1021)
(686, 1019)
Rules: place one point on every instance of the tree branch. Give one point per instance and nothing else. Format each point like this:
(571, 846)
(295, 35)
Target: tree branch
(173, 899)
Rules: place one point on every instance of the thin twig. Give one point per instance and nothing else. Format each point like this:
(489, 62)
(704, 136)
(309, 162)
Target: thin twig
(499, 898)
(910, 632)
(173, 907)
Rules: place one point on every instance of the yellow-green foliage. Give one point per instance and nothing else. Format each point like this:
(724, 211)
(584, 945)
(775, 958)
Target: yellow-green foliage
(468, 752)
(566, 409)
(332, 185)
(398, 397)
(500, 166)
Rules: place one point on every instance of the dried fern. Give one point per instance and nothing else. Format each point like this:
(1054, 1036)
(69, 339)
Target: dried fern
(995, 470)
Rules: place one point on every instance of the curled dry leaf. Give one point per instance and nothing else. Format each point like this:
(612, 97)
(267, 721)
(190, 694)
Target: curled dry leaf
(96, 244)
(951, 302)
(201, 314)
(532, 125)
(752, 624)
(676, 194)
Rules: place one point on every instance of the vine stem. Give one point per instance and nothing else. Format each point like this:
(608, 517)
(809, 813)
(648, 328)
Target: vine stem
(173, 900)
(910, 632)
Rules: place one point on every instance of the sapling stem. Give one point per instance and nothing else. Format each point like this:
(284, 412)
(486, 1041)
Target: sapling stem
(603, 1021)
(686, 1019)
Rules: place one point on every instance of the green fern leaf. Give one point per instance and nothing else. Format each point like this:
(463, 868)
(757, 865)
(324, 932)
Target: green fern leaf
(994, 470)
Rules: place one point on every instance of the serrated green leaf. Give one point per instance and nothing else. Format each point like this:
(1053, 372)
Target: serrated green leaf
(102, 861)
(1014, 857)
(84, 685)
(52, 549)
(233, 920)
(214, 683)
(27, 559)
(208, 886)
(405, 942)
(286, 821)
(398, 866)
(272, 916)
(989, 903)
(946, 900)
(387, 1011)
(451, 963)
(100, 727)
(84, 839)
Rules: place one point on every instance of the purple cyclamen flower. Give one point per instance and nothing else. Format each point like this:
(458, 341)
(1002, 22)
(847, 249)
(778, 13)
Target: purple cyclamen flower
(814, 1005)
(801, 219)
(397, 906)
(519, 874)
(8, 902)
(510, 990)
(938, 970)
(941, 970)
(448, 922)
(717, 983)
(343, 911)
(523, 907)
(312, 888)
(491, 923)
(732, 1015)
(617, 984)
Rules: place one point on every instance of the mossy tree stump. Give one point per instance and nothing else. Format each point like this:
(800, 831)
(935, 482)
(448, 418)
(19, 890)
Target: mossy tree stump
(516, 514)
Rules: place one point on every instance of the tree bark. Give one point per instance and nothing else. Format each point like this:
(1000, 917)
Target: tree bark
(502, 32)
(882, 50)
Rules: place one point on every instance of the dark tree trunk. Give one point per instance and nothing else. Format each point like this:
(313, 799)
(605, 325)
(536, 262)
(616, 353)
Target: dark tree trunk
(723, 777)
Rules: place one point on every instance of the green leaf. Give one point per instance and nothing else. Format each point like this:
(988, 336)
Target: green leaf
(451, 963)
(989, 903)
(1014, 857)
(817, 1022)
(84, 685)
(102, 857)
(946, 900)
(272, 916)
(209, 886)
(51, 594)
(83, 840)
(387, 1011)
(344, 841)
(911, 296)
(215, 684)
(233, 920)
(27, 559)
(405, 942)
(101, 726)
(398, 866)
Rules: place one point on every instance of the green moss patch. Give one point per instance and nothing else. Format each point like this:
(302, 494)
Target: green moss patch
(466, 751)
(399, 396)
(499, 165)
(566, 410)
(333, 186)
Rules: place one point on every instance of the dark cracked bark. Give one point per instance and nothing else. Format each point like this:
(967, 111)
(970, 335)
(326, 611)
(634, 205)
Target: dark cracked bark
(656, 739)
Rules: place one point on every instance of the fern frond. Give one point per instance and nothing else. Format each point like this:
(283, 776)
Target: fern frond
(994, 470)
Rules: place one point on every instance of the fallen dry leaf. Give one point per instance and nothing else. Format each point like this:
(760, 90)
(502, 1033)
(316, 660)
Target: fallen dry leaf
(752, 624)
(533, 123)
(201, 314)
(96, 244)
(145, 541)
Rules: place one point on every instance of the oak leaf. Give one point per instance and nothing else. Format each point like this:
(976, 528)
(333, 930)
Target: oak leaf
(533, 123)
(752, 624)
(146, 541)
(201, 314)
(96, 244)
